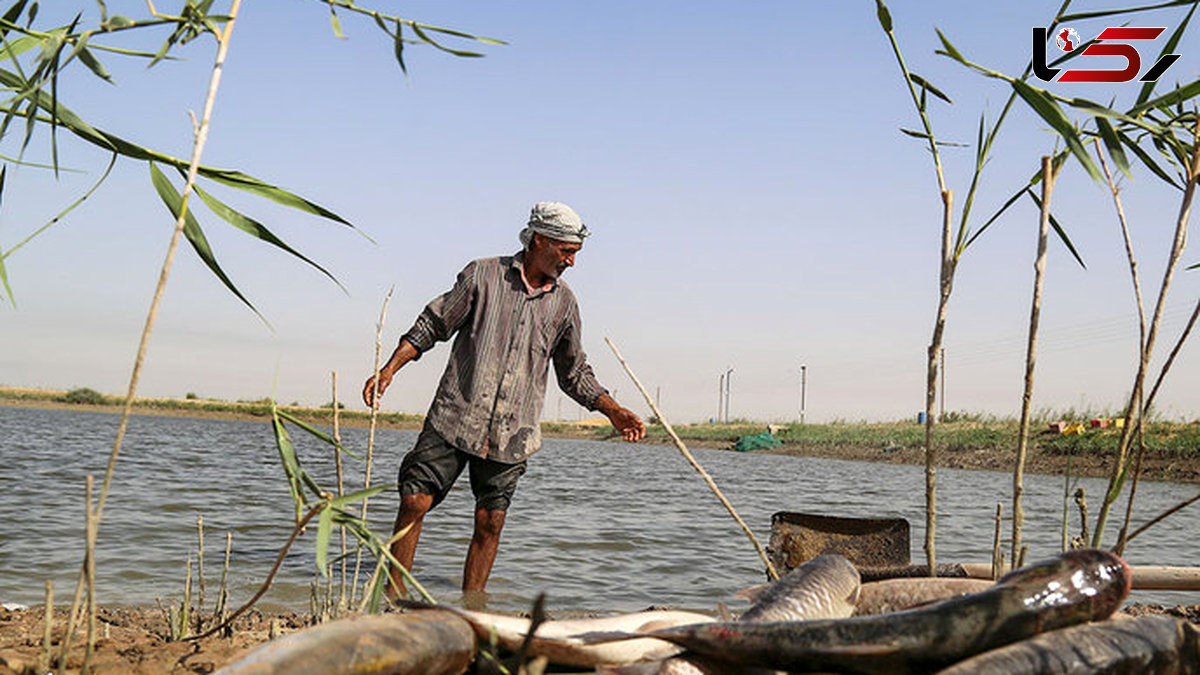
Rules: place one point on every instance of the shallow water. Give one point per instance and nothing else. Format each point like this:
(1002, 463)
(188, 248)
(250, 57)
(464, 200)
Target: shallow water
(597, 526)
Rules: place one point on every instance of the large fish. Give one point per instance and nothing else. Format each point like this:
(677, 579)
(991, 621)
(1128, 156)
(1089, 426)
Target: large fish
(1076, 587)
(897, 595)
(419, 643)
(1146, 645)
(568, 641)
(825, 587)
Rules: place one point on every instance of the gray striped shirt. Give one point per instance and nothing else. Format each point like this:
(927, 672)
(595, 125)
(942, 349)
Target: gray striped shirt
(490, 398)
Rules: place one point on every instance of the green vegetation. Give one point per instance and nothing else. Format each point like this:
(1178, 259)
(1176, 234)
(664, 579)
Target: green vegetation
(85, 396)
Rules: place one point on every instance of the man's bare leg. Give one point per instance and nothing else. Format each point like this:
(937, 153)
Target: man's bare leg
(410, 515)
(482, 551)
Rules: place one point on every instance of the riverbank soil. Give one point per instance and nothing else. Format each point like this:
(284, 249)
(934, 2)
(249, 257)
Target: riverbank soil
(133, 640)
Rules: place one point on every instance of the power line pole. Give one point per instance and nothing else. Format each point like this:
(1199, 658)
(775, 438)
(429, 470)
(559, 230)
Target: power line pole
(803, 386)
(728, 378)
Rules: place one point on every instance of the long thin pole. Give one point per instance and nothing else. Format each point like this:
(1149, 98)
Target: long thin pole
(803, 387)
(201, 138)
(771, 572)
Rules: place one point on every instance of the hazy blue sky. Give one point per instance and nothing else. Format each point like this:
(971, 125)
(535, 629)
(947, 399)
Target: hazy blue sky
(753, 202)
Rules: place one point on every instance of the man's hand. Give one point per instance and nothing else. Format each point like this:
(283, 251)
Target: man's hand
(622, 419)
(631, 428)
(385, 379)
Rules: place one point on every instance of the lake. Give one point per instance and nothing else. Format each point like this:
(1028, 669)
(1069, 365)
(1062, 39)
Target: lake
(598, 526)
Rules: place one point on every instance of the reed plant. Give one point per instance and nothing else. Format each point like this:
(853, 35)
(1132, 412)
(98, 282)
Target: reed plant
(1161, 132)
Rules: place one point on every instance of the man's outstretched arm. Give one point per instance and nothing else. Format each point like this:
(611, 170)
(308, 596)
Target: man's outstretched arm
(623, 419)
(404, 353)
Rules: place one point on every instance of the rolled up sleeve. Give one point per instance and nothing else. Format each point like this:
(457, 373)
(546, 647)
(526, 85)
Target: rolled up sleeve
(445, 313)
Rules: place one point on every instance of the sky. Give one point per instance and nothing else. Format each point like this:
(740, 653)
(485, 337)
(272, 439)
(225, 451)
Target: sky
(755, 208)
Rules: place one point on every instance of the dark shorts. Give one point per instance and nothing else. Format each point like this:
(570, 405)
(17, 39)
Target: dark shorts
(433, 465)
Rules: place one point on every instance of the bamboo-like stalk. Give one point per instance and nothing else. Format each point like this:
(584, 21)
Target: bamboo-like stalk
(201, 138)
(373, 422)
(185, 606)
(262, 590)
(997, 554)
(1081, 502)
(1035, 313)
(48, 628)
(223, 593)
(341, 490)
(1133, 412)
(946, 287)
(771, 571)
(200, 570)
(90, 534)
(1066, 511)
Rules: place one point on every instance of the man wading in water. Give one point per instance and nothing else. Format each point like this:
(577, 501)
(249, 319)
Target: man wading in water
(510, 317)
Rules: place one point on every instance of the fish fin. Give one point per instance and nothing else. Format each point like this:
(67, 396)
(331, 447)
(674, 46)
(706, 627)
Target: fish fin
(751, 593)
(723, 612)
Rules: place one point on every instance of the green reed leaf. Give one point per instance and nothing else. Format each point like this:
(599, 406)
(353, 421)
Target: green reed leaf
(12, 49)
(949, 49)
(335, 23)
(884, 16)
(11, 16)
(290, 462)
(193, 232)
(449, 50)
(324, 529)
(1048, 110)
(1059, 231)
(1113, 143)
(315, 432)
(1114, 12)
(925, 137)
(71, 207)
(1174, 97)
(89, 59)
(256, 229)
(925, 84)
(1168, 48)
(1147, 160)
(359, 495)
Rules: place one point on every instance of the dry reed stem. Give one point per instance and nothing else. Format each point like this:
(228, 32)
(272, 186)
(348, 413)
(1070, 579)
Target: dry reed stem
(266, 585)
(1035, 314)
(201, 138)
(200, 569)
(337, 457)
(1154, 521)
(1177, 246)
(372, 424)
(48, 629)
(933, 356)
(771, 571)
(1081, 502)
(997, 555)
(223, 593)
(90, 533)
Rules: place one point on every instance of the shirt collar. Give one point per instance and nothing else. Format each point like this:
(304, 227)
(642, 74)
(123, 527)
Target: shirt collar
(518, 265)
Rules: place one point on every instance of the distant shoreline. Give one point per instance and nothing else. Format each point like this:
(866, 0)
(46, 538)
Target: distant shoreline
(860, 443)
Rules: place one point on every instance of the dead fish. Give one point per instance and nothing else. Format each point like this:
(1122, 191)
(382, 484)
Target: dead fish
(420, 643)
(896, 595)
(1078, 586)
(826, 587)
(1147, 644)
(566, 642)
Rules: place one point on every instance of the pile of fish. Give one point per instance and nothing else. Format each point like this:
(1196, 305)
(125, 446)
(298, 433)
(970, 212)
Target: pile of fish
(1049, 617)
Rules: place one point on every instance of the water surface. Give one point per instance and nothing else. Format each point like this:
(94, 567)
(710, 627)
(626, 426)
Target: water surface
(597, 526)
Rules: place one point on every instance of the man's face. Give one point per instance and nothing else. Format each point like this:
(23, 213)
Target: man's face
(552, 256)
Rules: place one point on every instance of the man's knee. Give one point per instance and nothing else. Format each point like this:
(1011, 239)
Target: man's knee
(489, 522)
(415, 505)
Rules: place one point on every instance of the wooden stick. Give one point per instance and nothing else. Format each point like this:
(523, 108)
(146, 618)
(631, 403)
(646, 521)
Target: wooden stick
(48, 631)
(371, 426)
(1145, 577)
(91, 580)
(771, 571)
(337, 456)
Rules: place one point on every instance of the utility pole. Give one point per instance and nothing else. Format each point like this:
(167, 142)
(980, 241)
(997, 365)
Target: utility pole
(728, 378)
(803, 386)
(720, 397)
